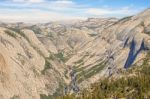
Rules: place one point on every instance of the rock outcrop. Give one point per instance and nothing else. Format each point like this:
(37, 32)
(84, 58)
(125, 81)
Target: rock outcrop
(34, 59)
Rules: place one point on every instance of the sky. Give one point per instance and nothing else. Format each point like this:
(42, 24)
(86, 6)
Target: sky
(58, 10)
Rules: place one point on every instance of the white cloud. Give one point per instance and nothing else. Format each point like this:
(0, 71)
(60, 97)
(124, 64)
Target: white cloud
(34, 16)
(108, 12)
(63, 2)
(54, 10)
(61, 5)
(29, 1)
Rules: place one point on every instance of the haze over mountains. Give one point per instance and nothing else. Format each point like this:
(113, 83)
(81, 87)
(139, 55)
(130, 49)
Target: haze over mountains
(36, 60)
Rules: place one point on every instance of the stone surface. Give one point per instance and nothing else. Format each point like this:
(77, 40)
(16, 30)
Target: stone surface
(36, 59)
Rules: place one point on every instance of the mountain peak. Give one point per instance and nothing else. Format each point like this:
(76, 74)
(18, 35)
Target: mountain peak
(145, 13)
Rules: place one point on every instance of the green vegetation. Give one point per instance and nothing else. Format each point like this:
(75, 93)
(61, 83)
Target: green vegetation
(17, 30)
(61, 57)
(59, 91)
(85, 74)
(79, 69)
(51, 57)
(148, 33)
(127, 87)
(15, 97)
(50, 34)
(37, 30)
(43, 96)
(79, 61)
(46, 67)
(65, 73)
(93, 35)
(10, 33)
(37, 50)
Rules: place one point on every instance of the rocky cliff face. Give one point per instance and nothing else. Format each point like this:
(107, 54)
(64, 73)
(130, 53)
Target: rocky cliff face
(35, 60)
(27, 69)
(118, 46)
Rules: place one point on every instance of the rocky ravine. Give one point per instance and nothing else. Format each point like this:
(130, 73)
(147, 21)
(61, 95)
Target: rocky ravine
(34, 59)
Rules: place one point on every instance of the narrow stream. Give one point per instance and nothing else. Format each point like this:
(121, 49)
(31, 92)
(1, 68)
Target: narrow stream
(73, 86)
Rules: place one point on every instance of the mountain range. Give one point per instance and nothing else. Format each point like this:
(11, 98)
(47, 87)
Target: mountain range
(45, 60)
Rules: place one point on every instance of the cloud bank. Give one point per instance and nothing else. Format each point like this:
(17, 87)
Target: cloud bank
(57, 10)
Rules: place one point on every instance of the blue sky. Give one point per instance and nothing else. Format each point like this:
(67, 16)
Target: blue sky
(57, 10)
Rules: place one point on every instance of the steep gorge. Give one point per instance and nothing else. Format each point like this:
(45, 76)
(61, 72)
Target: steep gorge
(35, 60)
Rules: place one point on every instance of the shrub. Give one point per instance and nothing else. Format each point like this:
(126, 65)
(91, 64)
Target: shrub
(60, 56)
(130, 87)
(46, 67)
(10, 33)
(17, 30)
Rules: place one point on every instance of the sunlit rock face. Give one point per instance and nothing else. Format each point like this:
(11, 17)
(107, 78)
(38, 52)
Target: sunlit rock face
(125, 40)
(35, 60)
